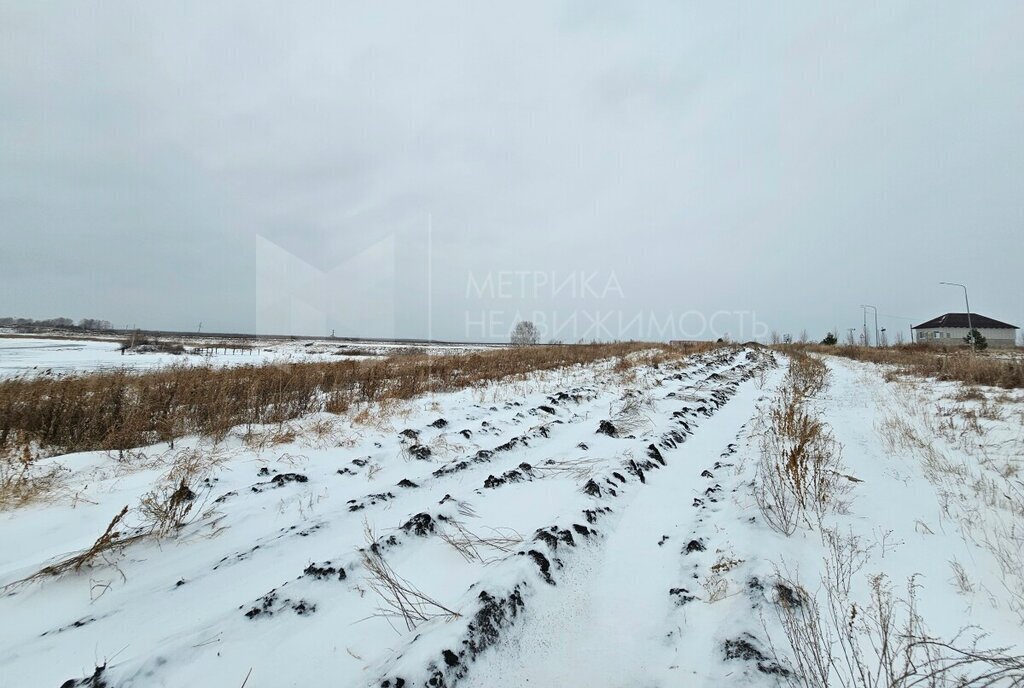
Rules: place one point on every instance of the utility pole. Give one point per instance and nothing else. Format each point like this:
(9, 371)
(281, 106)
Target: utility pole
(873, 308)
(970, 328)
(864, 333)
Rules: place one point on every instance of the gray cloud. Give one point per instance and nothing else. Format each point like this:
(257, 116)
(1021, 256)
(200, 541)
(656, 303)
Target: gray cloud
(265, 167)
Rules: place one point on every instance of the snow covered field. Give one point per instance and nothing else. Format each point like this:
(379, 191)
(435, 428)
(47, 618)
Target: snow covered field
(593, 526)
(32, 356)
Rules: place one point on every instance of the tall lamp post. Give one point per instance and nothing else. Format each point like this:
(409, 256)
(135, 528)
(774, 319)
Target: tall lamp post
(970, 328)
(876, 321)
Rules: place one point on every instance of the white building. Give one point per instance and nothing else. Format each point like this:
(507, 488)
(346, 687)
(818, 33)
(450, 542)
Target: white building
(951, 328)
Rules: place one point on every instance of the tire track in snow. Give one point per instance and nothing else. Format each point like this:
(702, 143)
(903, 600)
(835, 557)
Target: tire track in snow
(610, 623)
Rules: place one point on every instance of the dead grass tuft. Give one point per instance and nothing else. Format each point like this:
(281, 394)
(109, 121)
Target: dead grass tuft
(23, 480)
(400, 598)
(107, 549)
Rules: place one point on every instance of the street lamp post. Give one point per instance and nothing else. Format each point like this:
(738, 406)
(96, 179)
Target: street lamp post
(876, 321)
(970, 327)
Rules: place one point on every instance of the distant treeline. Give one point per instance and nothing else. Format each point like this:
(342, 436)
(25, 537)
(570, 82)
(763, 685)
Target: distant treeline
(63, 323)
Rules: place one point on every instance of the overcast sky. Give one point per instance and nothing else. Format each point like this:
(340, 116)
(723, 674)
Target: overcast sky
(610, 170)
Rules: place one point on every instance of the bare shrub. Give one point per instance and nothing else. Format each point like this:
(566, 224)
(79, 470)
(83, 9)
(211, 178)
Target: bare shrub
(807, 376)
(525, 333)
(631, 416)
(799, 468)
(166, 511)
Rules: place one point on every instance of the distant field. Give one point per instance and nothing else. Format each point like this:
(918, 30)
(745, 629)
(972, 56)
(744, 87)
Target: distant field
(60, 355)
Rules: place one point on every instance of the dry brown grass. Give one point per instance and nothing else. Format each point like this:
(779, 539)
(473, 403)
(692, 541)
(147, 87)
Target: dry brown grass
(799, 471)
(992, 368)
(495, 545)
(23, 480)
(120, 410)
(178, 498)
(807, 375)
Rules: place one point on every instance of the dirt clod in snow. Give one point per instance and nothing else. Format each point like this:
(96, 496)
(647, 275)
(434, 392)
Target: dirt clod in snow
(282, 478)
(511, 444)
(694, 546)
(742, 648)
(554, 535)
(420, 452)
(606, 427)
(421, 525)
(510, 476)
(543, 564)
(681, 596)
(405, 482)
(439, 423)
(786, 596)
(582, 530)
(324, 571)
(672, 439)
(268, 605)
(494, 614)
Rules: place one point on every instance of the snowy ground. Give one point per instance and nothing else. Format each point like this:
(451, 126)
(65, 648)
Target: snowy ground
(33, 356)
(637, 558)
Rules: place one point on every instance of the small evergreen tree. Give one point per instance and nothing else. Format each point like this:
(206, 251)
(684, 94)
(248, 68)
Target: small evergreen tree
(977, 339)
(830, 340)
